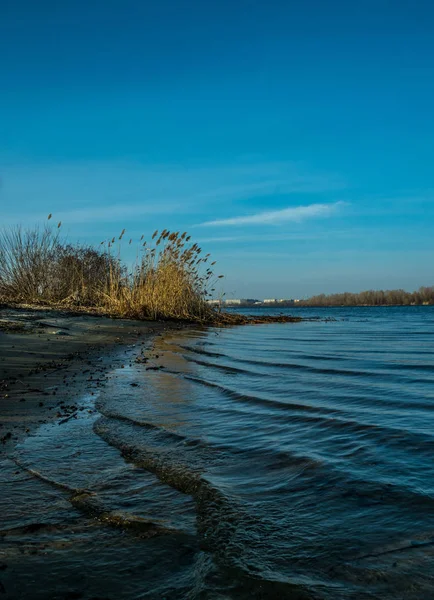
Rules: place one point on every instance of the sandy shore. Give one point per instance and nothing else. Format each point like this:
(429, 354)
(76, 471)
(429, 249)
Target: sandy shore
(46, 354)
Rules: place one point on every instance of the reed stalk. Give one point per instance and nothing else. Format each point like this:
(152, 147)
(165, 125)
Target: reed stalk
(170, 279)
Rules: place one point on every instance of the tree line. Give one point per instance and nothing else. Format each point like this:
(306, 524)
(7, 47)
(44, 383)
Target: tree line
(424, 295)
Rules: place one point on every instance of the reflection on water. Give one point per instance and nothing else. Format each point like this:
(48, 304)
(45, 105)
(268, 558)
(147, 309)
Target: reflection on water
(277, 461)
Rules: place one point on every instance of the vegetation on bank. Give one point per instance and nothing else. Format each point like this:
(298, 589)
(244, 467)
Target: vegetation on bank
(171, 279)
(424, 295)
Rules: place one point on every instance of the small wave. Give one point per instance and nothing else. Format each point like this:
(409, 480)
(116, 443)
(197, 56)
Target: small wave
(220, 519)
(202, 351)
(368, 374)
(252, 398)
(380, 372)
(158, 429)
(53, 482)
(273, 456)
(235, 535)
(224, 368)
(90, 504)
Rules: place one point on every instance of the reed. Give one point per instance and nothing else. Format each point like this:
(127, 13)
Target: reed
(170, 279)
(27, 258)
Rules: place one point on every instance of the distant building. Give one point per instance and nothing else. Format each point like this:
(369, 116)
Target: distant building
(240, 301)
(270, 301)
(235, 302)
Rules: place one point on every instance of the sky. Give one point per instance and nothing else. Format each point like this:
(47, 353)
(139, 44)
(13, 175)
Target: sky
(294, 141)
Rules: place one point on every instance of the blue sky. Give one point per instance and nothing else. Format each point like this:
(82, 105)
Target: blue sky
(293, 140)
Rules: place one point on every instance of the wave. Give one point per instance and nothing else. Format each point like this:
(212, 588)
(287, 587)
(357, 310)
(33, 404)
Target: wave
(324, 414)
(221, 519)
(383, 371)
(191, 453)
(90, 504)
(233, 394)
(240, 539)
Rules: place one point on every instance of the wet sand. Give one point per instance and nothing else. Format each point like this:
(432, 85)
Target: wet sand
(45, 355)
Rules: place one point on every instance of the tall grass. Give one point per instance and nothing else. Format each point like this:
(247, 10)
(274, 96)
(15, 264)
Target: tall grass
(26, 262)
(170, 278)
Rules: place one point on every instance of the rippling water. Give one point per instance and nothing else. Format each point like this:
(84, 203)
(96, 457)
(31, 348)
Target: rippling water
(267, 461)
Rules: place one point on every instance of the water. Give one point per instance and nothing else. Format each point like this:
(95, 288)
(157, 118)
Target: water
(266, 461)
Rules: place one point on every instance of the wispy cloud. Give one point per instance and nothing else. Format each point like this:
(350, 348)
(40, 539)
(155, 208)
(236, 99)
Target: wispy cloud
(84, 190)
(294, 214)
(293, 236)
(221, 240)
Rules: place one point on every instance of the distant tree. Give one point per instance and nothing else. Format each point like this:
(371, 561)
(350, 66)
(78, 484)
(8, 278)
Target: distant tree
(424, 295)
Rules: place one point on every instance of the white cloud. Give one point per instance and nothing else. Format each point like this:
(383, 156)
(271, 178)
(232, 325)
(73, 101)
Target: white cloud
(104, 192)
(296, 236)
(275, 217)
(224, 239)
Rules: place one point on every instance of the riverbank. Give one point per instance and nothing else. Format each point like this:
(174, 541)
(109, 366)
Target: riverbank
(49, 357)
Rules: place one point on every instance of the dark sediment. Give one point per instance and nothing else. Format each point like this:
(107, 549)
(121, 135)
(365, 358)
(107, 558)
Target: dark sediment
(47, 353)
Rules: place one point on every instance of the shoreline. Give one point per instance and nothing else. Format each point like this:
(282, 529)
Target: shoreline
(50, 357)
(49, 354)
(221, 319)
(59, 524)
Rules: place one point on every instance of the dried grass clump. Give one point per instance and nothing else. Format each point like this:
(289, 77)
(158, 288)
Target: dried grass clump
(26, 263)
(169, 280)
(37, 267)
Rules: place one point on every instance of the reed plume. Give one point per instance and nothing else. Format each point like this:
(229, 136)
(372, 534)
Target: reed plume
(167, 280)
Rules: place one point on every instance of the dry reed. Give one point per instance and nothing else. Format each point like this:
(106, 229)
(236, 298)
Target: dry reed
(169, 280)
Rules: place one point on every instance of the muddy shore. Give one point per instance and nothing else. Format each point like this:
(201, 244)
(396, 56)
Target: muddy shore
(46, 355)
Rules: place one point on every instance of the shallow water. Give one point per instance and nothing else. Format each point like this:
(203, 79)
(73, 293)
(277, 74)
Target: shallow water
(267, 461)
